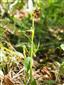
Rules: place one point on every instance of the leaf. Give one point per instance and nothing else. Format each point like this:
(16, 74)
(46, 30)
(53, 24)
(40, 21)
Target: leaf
(1, 31)
(27, 63)
(49, 82)
(51, 1)
(4, 1)
(33, 82)
(62, 46)
(62, 69)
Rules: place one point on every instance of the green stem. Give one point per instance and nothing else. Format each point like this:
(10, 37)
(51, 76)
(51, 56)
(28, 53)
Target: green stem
(24, 52)
(32, 43)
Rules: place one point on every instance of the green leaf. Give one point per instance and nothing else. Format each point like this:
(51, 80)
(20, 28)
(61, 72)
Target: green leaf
(49, 82)
(27, 63)
(33, 82)
(51, 1)
(62, 69)
(62, 46)
(1, 31)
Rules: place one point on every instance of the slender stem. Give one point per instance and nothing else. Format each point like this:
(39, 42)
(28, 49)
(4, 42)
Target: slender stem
(24, 49)
(32, 38)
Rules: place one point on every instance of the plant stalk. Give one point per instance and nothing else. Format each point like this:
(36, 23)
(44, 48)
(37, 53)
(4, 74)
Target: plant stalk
(32, 45)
